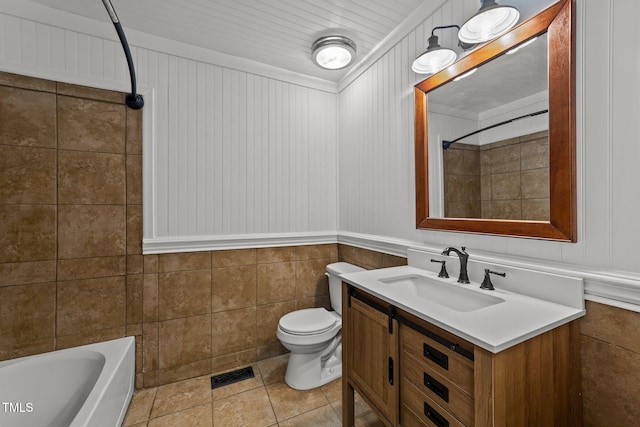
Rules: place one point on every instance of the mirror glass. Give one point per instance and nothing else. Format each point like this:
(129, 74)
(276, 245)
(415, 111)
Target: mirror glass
(508, 121)
(489, 156)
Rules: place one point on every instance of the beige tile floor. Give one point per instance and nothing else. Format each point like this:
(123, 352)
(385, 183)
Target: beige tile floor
(265, 400)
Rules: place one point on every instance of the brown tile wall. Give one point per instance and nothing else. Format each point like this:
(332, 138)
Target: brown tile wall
(461, 163)
(610, 350)
(71, 265)
(67, 273)
(504, 180)
(515, 178)
(211, 311)
(368, 259)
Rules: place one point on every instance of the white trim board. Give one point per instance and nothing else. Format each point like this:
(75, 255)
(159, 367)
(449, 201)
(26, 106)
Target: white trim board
(162, 245)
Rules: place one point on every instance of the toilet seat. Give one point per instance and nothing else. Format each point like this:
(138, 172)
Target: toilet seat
(309, 321)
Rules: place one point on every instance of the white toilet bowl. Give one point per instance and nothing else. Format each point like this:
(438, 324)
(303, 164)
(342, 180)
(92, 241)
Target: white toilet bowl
(313, 337)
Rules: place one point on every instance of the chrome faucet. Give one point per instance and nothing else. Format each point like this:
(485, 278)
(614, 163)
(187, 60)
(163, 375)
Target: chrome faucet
(463, 277)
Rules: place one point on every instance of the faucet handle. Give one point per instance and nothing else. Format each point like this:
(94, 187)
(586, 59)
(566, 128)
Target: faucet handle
(486, 283)
(443, 271)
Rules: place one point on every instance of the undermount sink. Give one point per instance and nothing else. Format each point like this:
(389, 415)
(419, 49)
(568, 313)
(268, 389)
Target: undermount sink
(447, 294)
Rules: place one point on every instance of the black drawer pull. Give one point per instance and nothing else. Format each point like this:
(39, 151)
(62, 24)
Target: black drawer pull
(436, 357)
(434, 416)
(390, 370)
(437, 387)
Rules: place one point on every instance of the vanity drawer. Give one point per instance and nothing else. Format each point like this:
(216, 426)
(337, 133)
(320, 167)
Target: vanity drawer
(438, 388)
(435, 357)
(427, 411)
(409, 419)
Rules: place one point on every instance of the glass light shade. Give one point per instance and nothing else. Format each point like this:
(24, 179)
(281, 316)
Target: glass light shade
(491, 21)
(333, 52)
(432, 61)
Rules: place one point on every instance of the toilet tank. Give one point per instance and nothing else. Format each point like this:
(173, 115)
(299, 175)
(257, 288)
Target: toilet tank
(335, 282)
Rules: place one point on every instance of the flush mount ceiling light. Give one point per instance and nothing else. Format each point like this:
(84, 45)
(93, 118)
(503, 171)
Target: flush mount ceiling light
(333, 52)
(435, 58)
(491, 21)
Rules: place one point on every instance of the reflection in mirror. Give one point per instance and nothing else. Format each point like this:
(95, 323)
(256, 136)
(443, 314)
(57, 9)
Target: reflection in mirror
(511, 181)
(491, 159)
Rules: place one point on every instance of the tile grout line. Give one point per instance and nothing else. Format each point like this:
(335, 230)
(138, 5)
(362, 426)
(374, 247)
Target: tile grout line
(55, 299)
(267, 392)
(155, 395)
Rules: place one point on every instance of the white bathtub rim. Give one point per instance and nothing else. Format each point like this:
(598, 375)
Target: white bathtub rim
(115, 353)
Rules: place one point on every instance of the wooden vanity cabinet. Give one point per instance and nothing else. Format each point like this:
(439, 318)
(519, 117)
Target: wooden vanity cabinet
(370, 356)
(436, 375)
(440, 380)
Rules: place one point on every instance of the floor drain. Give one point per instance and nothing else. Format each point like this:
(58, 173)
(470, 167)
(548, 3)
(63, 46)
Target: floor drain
(232, 377)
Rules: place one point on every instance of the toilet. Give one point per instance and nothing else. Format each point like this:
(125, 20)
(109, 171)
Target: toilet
(312, 335)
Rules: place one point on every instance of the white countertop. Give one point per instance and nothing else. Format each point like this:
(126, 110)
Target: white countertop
(494, 328)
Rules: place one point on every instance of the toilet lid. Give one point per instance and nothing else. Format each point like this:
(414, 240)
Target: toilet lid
(307, 321)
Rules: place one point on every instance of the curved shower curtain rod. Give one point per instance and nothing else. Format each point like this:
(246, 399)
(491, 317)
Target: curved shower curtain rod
(133, 100)
(447, 144)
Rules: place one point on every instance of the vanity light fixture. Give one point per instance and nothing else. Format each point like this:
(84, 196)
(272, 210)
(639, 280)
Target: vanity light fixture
(435, 58)
(491, 21)
(333, 52)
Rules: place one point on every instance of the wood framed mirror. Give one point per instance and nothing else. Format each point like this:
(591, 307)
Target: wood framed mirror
(556, 24)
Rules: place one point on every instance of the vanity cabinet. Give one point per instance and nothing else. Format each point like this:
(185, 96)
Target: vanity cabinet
(413, 373)
(370, 352)
(436, 381)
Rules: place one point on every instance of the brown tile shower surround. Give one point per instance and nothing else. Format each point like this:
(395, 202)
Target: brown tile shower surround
(70, 208)
(71, 269)
(504, 180)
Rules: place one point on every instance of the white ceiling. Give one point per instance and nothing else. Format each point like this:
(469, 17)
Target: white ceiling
(274, 32)
(501, 81)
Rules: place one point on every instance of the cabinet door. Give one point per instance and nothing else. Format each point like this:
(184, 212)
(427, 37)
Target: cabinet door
(372, 353)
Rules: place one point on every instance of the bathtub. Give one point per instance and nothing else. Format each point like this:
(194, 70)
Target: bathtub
(82, 386)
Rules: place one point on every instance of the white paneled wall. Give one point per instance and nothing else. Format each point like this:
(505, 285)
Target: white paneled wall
(235, 154)
(34, 49)
(376, 149)
(241, 154)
